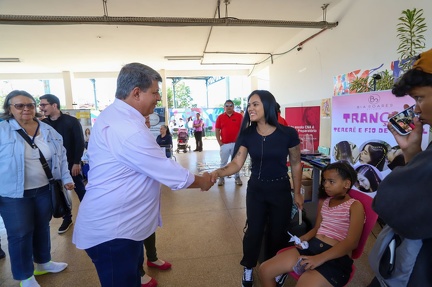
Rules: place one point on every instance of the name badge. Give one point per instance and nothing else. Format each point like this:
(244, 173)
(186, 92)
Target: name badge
(35, 153)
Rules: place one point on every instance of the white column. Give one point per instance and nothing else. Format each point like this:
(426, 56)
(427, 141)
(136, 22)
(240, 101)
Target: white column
(164, 95)
(68, 79)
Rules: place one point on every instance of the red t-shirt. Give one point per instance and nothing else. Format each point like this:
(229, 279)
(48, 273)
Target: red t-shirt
(229, 126)
(281, 120)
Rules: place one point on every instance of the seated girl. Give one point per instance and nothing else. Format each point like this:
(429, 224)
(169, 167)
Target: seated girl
(165, 140)
(337, 231)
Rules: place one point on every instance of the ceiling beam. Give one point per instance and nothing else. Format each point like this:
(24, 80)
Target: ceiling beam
(158, 21)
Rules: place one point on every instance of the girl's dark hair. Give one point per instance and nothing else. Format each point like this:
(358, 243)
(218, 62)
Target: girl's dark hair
(413, 78)
(270, 115)
(345, 171)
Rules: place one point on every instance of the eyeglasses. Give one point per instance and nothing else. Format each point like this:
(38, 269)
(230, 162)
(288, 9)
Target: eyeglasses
(229, 105)
(43, 105)
(31, 106)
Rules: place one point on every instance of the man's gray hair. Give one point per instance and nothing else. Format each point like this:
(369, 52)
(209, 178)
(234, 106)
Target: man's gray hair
(135, 75)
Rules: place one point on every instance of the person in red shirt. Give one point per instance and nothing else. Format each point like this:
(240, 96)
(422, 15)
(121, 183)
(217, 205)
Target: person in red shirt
(227, 128)
(281, 120)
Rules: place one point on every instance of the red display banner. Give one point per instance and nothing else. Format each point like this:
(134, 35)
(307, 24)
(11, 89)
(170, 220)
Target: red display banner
(306, 120)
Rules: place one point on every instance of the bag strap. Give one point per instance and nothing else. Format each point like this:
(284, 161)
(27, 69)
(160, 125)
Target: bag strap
(42, 159)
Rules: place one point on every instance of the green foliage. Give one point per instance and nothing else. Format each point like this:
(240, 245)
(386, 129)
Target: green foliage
(363, 85)
(385, 83)
(410, 30)
(182, 97)
(359, 85)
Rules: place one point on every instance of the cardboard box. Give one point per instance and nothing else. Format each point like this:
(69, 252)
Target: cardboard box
(307, 186)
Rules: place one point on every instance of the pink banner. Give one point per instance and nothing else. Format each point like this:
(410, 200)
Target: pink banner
(360, 135)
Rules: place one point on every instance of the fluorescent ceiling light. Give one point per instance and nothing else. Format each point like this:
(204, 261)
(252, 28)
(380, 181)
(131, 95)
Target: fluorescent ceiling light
(10, 60)
(183, 58)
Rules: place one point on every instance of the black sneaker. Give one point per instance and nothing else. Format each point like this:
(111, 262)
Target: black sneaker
(2, 254)
(247, 280)
(65, 226)
(280, 280)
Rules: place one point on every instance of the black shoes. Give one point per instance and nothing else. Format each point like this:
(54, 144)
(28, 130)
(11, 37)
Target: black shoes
(67, 223)
(280, 280)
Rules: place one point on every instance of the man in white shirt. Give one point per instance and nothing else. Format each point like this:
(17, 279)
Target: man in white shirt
(122, 203)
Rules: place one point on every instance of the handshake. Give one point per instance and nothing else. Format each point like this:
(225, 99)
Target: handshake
(203, 181)
(206, 180)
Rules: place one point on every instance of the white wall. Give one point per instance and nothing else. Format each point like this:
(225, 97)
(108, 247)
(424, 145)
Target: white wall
(364, 39)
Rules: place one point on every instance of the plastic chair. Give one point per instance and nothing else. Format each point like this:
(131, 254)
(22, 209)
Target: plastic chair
(371, 218)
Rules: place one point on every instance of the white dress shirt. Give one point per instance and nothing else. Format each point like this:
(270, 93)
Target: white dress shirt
(123, 191)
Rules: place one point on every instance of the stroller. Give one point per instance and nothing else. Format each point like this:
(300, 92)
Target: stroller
(182, 140)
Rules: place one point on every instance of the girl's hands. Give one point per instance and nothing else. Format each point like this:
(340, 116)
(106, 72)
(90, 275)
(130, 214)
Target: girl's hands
(311, 262)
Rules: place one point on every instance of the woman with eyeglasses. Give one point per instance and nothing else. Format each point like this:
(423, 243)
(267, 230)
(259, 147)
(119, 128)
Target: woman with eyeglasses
(25, 197)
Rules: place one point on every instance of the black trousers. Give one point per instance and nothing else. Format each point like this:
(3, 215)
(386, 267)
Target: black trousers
(150, 252)
(79, 189)
(267, 203)
(198, 140)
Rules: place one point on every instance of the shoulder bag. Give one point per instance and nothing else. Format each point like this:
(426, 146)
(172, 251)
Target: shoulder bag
(60, 204)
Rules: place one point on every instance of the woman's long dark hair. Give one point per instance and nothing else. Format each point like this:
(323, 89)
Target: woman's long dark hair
(371, 175)
(269, 105)
(377, 152)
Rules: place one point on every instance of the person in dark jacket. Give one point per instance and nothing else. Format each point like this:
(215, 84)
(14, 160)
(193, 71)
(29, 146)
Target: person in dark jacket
(403, 199)
(73, 140)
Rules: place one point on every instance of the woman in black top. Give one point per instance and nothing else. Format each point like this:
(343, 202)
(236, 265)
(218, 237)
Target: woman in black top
(165, 140)
(268, 198)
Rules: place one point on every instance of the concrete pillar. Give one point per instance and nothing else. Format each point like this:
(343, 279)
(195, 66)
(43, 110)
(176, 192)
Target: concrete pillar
(68, 79)
(164, 91)
(254, 83)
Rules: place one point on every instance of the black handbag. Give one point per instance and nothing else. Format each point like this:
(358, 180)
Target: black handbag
(60, 205)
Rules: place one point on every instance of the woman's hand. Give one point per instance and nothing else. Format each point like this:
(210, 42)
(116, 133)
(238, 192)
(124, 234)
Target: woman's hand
(411, 143)
(214, 175)
(298, 201)
(69, 186)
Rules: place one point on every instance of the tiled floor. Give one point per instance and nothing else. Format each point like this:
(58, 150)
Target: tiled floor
(201, 236)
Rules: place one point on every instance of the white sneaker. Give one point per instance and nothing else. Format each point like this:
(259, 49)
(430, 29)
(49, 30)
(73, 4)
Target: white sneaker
(29, 282)
(238, 181)
(49, 267)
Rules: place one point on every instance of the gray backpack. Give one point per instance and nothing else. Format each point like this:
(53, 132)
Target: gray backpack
(393, 257)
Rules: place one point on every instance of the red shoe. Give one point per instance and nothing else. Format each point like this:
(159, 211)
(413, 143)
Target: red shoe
(164, 266)
(151, 283)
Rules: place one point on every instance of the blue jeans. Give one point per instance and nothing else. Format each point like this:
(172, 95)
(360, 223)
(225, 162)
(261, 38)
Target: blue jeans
(27, 225)
(118, 262)
(226, 151)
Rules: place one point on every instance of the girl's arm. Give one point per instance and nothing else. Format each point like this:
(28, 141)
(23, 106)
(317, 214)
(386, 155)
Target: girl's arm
(311, 234)
(233, 167)
(346, 246)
